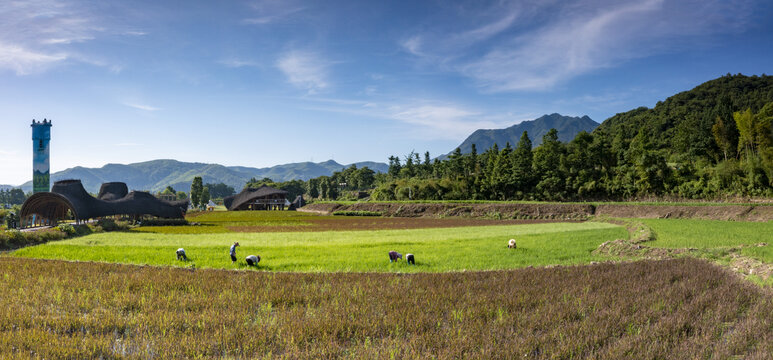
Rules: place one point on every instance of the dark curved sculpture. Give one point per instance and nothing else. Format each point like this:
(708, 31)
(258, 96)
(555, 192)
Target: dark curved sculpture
(114, 199)
(262, 198)
(112, 191)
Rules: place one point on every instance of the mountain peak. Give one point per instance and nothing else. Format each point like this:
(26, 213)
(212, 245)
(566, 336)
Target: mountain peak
(568, 127)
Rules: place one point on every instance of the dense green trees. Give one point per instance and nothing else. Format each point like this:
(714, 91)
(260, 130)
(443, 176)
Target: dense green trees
(219, 190)
(710, 142)
(12, 196)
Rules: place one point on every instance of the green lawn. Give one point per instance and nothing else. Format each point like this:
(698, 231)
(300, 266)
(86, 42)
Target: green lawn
(436, 250)
(713, 234)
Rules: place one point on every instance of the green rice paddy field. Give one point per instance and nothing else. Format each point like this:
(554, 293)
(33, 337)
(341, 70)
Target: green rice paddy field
(293, 241)
(436, 250)
(714, 234)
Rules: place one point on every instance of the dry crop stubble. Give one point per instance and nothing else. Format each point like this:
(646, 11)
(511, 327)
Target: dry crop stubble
(674, 309)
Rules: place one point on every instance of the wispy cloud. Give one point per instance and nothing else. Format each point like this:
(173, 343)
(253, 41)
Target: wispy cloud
(143, 107)
(412, 45)
(304, 69)
(36, 35)
(271, 11)
(429, 119)
(25, 61)
(557, 42)
(237, 63)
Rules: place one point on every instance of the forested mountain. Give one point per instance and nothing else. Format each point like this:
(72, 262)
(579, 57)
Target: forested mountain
(714, 141)
(682, 124)
(156, 175)
(567, 127)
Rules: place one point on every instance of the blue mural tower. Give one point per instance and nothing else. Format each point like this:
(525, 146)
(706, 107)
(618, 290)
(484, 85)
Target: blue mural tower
(41, 135)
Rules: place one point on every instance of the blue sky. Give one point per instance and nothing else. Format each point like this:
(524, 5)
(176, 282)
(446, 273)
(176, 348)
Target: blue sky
(260, 83)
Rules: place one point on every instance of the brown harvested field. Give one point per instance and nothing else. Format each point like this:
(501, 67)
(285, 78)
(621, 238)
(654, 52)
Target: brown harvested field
(346, 223)
(673, 309)
(751, 212)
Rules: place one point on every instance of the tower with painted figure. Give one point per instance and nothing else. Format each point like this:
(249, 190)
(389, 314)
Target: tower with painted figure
(41, 135)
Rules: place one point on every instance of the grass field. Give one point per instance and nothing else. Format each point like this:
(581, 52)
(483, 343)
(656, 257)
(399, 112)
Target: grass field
(712, 234)
(676, 309)
(436, 250)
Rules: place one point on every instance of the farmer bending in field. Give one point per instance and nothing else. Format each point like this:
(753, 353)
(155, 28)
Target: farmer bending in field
(233, 252)
(394, 256)
(181, 254)
(253, 260)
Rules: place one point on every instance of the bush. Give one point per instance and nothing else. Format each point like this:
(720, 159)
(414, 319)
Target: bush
(111, 225)
(11, 239)
(67, 228)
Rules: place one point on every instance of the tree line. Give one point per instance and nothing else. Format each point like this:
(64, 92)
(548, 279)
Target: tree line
(593, 166)
(12, 196)
(712, 142)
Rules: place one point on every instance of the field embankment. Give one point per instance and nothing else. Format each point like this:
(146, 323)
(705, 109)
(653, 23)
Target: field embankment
(486, 210)
(675, 309)
(567, 211)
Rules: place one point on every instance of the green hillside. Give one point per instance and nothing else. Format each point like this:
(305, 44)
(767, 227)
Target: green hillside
(682, 123)
(156, 175)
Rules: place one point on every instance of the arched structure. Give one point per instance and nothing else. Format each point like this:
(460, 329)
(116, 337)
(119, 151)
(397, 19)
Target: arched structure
(262, 198)
(47, 208)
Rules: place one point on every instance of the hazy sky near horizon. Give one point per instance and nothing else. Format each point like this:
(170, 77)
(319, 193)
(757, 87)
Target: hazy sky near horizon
(260, 83)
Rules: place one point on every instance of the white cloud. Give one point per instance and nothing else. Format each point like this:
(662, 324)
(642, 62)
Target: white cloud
(36, 35)
(304, 69)
(271, 11)
(524, 48)
(143, 107)
(445, 121)
(412, 45)
(24, 61)
(237, 63)
(429, 119)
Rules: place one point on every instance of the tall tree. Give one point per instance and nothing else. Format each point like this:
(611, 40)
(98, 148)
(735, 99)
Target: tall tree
(522, 164)
(204, 196)
(547, 158)
(197, 186)
(722, 136)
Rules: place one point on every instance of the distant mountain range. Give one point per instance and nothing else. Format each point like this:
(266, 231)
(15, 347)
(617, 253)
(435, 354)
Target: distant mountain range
(568, 127)
(156, 175)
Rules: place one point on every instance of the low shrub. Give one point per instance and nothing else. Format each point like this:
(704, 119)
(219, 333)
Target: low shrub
(11, 239)
(67, 228)
(164, 222)
(111, 225)
(357, 213)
